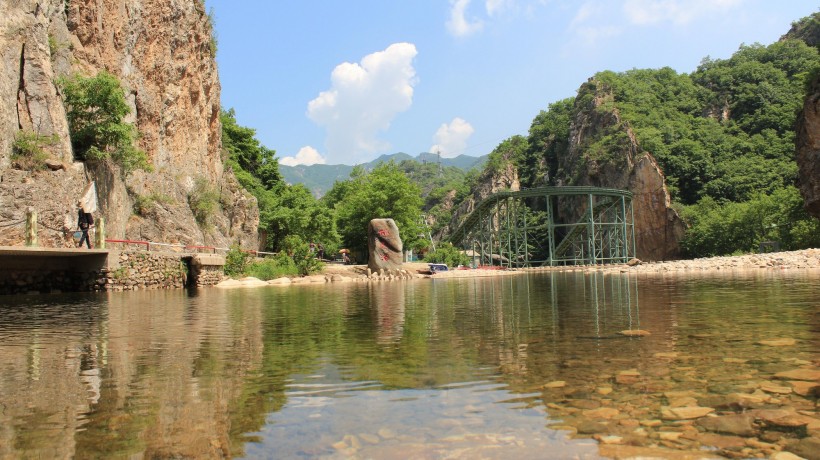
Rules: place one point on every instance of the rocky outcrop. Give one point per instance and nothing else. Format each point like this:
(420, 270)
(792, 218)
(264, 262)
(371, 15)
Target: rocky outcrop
(620, 164)
(384, 245)
(658, 228)
(806, 29)
(808, 149)
(492, 180)
(28, 96)
(162, 53)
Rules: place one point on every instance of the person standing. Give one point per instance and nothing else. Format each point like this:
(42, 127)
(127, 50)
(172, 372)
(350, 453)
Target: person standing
(84, 221)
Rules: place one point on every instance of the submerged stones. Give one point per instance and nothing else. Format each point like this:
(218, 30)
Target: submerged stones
(635, 333)
(741, 408)
(778, 342)
(800, 374)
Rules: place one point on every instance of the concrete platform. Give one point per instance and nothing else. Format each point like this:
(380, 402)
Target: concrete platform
(38, 258)
(48, 252)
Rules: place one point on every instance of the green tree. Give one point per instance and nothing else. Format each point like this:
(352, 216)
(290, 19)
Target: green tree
(247, 153)
(284, 210)
(298, 213)
(96, 108)
(304, 259)
(385, 192)
(730, 227)
(448, 254)
(548, 141)
(236, 261)
(512, 149)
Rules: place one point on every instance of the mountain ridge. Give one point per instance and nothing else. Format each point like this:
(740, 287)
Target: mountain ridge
(319, 178)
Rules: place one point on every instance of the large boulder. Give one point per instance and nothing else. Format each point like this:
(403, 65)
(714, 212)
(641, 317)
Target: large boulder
(384, 244)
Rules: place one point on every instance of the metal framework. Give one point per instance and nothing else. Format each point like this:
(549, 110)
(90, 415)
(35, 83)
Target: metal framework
(597, 227)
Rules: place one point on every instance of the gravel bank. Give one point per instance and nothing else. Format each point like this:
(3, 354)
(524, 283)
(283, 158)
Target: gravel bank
(804, 259)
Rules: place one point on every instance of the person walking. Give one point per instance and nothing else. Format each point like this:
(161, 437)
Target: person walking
(84, 221)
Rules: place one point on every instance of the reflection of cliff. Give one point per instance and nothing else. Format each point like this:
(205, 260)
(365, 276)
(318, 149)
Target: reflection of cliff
(156, 377)
(44, 384)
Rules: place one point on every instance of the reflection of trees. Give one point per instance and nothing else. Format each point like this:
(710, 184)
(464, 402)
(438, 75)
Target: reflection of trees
(404, 337)
(298, 326)
(154, 374)
(165, 374)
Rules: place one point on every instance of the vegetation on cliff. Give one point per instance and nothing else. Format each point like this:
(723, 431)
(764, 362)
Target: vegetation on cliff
(29, 150)
(723, 136)
(283, 209)
(96, 109)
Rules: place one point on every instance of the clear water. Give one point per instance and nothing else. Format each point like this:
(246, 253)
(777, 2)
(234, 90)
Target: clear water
(500, 367)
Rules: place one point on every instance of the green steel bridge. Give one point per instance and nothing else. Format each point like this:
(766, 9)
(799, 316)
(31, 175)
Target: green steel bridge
(521, 228)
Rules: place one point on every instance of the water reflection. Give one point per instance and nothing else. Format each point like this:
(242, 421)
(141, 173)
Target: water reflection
(481, 367)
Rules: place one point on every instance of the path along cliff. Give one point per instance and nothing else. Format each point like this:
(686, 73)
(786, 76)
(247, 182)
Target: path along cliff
(163, 54)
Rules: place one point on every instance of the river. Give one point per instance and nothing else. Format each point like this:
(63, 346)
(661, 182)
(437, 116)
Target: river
(526, 366)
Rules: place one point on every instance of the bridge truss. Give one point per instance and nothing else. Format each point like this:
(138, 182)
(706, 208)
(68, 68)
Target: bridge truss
(522, 229)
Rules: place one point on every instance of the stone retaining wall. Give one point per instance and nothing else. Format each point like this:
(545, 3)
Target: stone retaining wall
(45, 281)
(208, 275)
(155, 270)
(145, 270)
(43, 271)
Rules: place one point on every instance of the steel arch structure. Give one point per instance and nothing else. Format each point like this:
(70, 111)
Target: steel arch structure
(505, 230)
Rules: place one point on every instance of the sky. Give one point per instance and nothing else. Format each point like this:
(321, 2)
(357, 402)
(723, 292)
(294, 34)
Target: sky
(343, 82)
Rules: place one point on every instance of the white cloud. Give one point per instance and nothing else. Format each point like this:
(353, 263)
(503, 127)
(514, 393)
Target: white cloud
(307, 155)
(494, 6)
(681, 12)
(597, 20)
(451, 140)
(594, 35)
(363, 100)
(458, 24)
(585, 12)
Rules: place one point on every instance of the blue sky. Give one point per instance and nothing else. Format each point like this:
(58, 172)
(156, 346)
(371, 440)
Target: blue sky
(342, 82)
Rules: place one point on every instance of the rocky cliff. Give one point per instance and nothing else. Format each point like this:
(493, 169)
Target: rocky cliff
(622, 165)
(808, 149)
(162, 52)
(490, 181)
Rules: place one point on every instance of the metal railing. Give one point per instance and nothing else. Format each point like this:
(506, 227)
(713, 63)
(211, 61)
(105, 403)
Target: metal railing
(598, 227)
(151, 245)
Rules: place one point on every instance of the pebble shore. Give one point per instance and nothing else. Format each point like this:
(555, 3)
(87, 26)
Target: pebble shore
(807, 259)
(804, 259)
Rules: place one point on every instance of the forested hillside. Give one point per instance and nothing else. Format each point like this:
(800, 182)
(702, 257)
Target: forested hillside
(319, 178)
(723, 136)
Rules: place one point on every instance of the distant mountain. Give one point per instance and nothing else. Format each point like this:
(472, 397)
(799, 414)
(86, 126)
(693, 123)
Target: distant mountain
(320, 178)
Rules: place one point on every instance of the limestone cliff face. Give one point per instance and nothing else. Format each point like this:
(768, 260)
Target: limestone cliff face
(161, 52)
(490, 181)
(808, 149)
(658, 228)
(624, 165)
